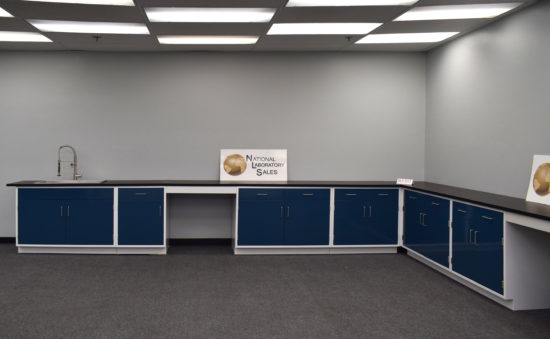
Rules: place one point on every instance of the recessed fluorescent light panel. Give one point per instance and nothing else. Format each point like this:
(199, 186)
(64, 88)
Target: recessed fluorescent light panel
(5, 14)
(327, 3)
(189, 14)
(92, 2)
(322, 28)
(207, 39)
(22, 37)
(404, 38)
(457, 12)
(89, 27)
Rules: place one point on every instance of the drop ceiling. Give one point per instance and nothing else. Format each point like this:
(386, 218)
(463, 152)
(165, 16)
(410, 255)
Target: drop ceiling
(27, 10)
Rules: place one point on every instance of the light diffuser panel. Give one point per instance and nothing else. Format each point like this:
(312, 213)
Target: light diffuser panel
(326, 3)
(190, 14)
(322, 28)
(4, 14)
(89, 27)
(207, 39)
(403, 38)
(92, 2)
(457, 12)
(22, 37)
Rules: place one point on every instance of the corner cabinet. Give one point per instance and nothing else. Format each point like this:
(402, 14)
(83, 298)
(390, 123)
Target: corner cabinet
(426, 226)
(478, 245)
(68, 216)
(283, 217)
(140, 216)
(366, 216)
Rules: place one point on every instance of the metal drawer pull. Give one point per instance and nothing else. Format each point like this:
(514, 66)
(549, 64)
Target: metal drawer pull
(351, 194)
(141, 193)
(68, 210)
(370, 211)
(470, 240)
(61, 207)
(486, 217)
(288, 211)
(461, 211)
(411, 197)
(364, 211)
(160, 210)
(308, 194)
(475, 237)
(261, 194)
(435, 203)
(282, 211)
(383, 194)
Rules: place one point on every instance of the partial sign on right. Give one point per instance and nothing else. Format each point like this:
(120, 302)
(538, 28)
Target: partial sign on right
(539, 185)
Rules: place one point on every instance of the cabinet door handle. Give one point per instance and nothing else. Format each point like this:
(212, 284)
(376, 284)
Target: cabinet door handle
(412, 197)
(383, 194)
(308, 194)
(486, 217)
(282, 211)
(424, 220)
(475, 237)
(364, 211)
(435, 203)
(160, 210)
(68, 210)
(470, 240)
(61, 209)
(461, 211)
(140, 193)
(288, 211)
(370, 211)
(262, 194)
(351, 194)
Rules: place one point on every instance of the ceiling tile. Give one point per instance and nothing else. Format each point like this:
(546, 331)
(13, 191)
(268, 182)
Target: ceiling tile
(430, 26)
(301, 43)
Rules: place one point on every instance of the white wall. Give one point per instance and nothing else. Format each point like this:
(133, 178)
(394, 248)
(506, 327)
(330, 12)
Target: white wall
(488, 106)
(354, 116)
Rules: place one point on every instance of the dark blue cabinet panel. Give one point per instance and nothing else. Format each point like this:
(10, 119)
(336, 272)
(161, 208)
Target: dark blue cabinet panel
(141, 216)
(366, 217)
(65, 216)
(477, 245)
(284, 216)
(427, 226)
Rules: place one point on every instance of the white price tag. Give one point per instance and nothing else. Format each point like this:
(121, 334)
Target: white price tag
(407, 182)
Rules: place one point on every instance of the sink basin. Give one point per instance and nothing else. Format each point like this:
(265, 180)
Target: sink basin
(81, 181)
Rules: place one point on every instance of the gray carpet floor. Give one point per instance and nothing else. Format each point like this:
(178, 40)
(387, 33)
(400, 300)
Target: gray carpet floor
(206, 292)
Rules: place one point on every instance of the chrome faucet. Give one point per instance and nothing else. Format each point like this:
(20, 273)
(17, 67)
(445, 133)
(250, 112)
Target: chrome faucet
(74, 164)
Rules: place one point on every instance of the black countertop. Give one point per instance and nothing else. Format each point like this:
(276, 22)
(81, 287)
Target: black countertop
(501, 202)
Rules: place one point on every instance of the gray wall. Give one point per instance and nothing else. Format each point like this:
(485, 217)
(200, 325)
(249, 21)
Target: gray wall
(357, 116)
(488, 104)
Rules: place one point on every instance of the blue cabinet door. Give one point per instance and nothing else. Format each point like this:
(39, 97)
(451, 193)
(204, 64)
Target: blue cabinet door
(90, 222)
(427, 226)
(350, 212)
(382, 217)
(41, 221)
(261, 215)
(307, 217)
(477, 245)
(141, 216)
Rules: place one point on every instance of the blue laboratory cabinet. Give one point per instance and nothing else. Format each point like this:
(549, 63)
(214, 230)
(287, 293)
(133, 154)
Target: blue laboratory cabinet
(426, 226)
(141, 216)
(65, 216)
(366, 217)
(286, 217)
(478, 245)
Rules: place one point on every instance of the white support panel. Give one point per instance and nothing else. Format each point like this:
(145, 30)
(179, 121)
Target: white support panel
(527, 271)
(151, 250)
(508, 303)
(201, 190)
(254, 250)
(522, 220)
(364, 250)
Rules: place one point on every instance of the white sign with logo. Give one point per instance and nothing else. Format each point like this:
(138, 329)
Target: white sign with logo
(539, 184)
(253, 165)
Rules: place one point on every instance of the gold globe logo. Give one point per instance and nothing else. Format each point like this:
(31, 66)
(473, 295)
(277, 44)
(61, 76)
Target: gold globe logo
(234, 164)
(541, 180)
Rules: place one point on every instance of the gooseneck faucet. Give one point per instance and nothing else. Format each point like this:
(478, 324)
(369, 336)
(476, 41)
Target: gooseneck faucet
(74, 164)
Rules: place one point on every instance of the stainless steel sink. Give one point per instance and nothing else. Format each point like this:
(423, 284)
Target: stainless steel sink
(80, 181)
